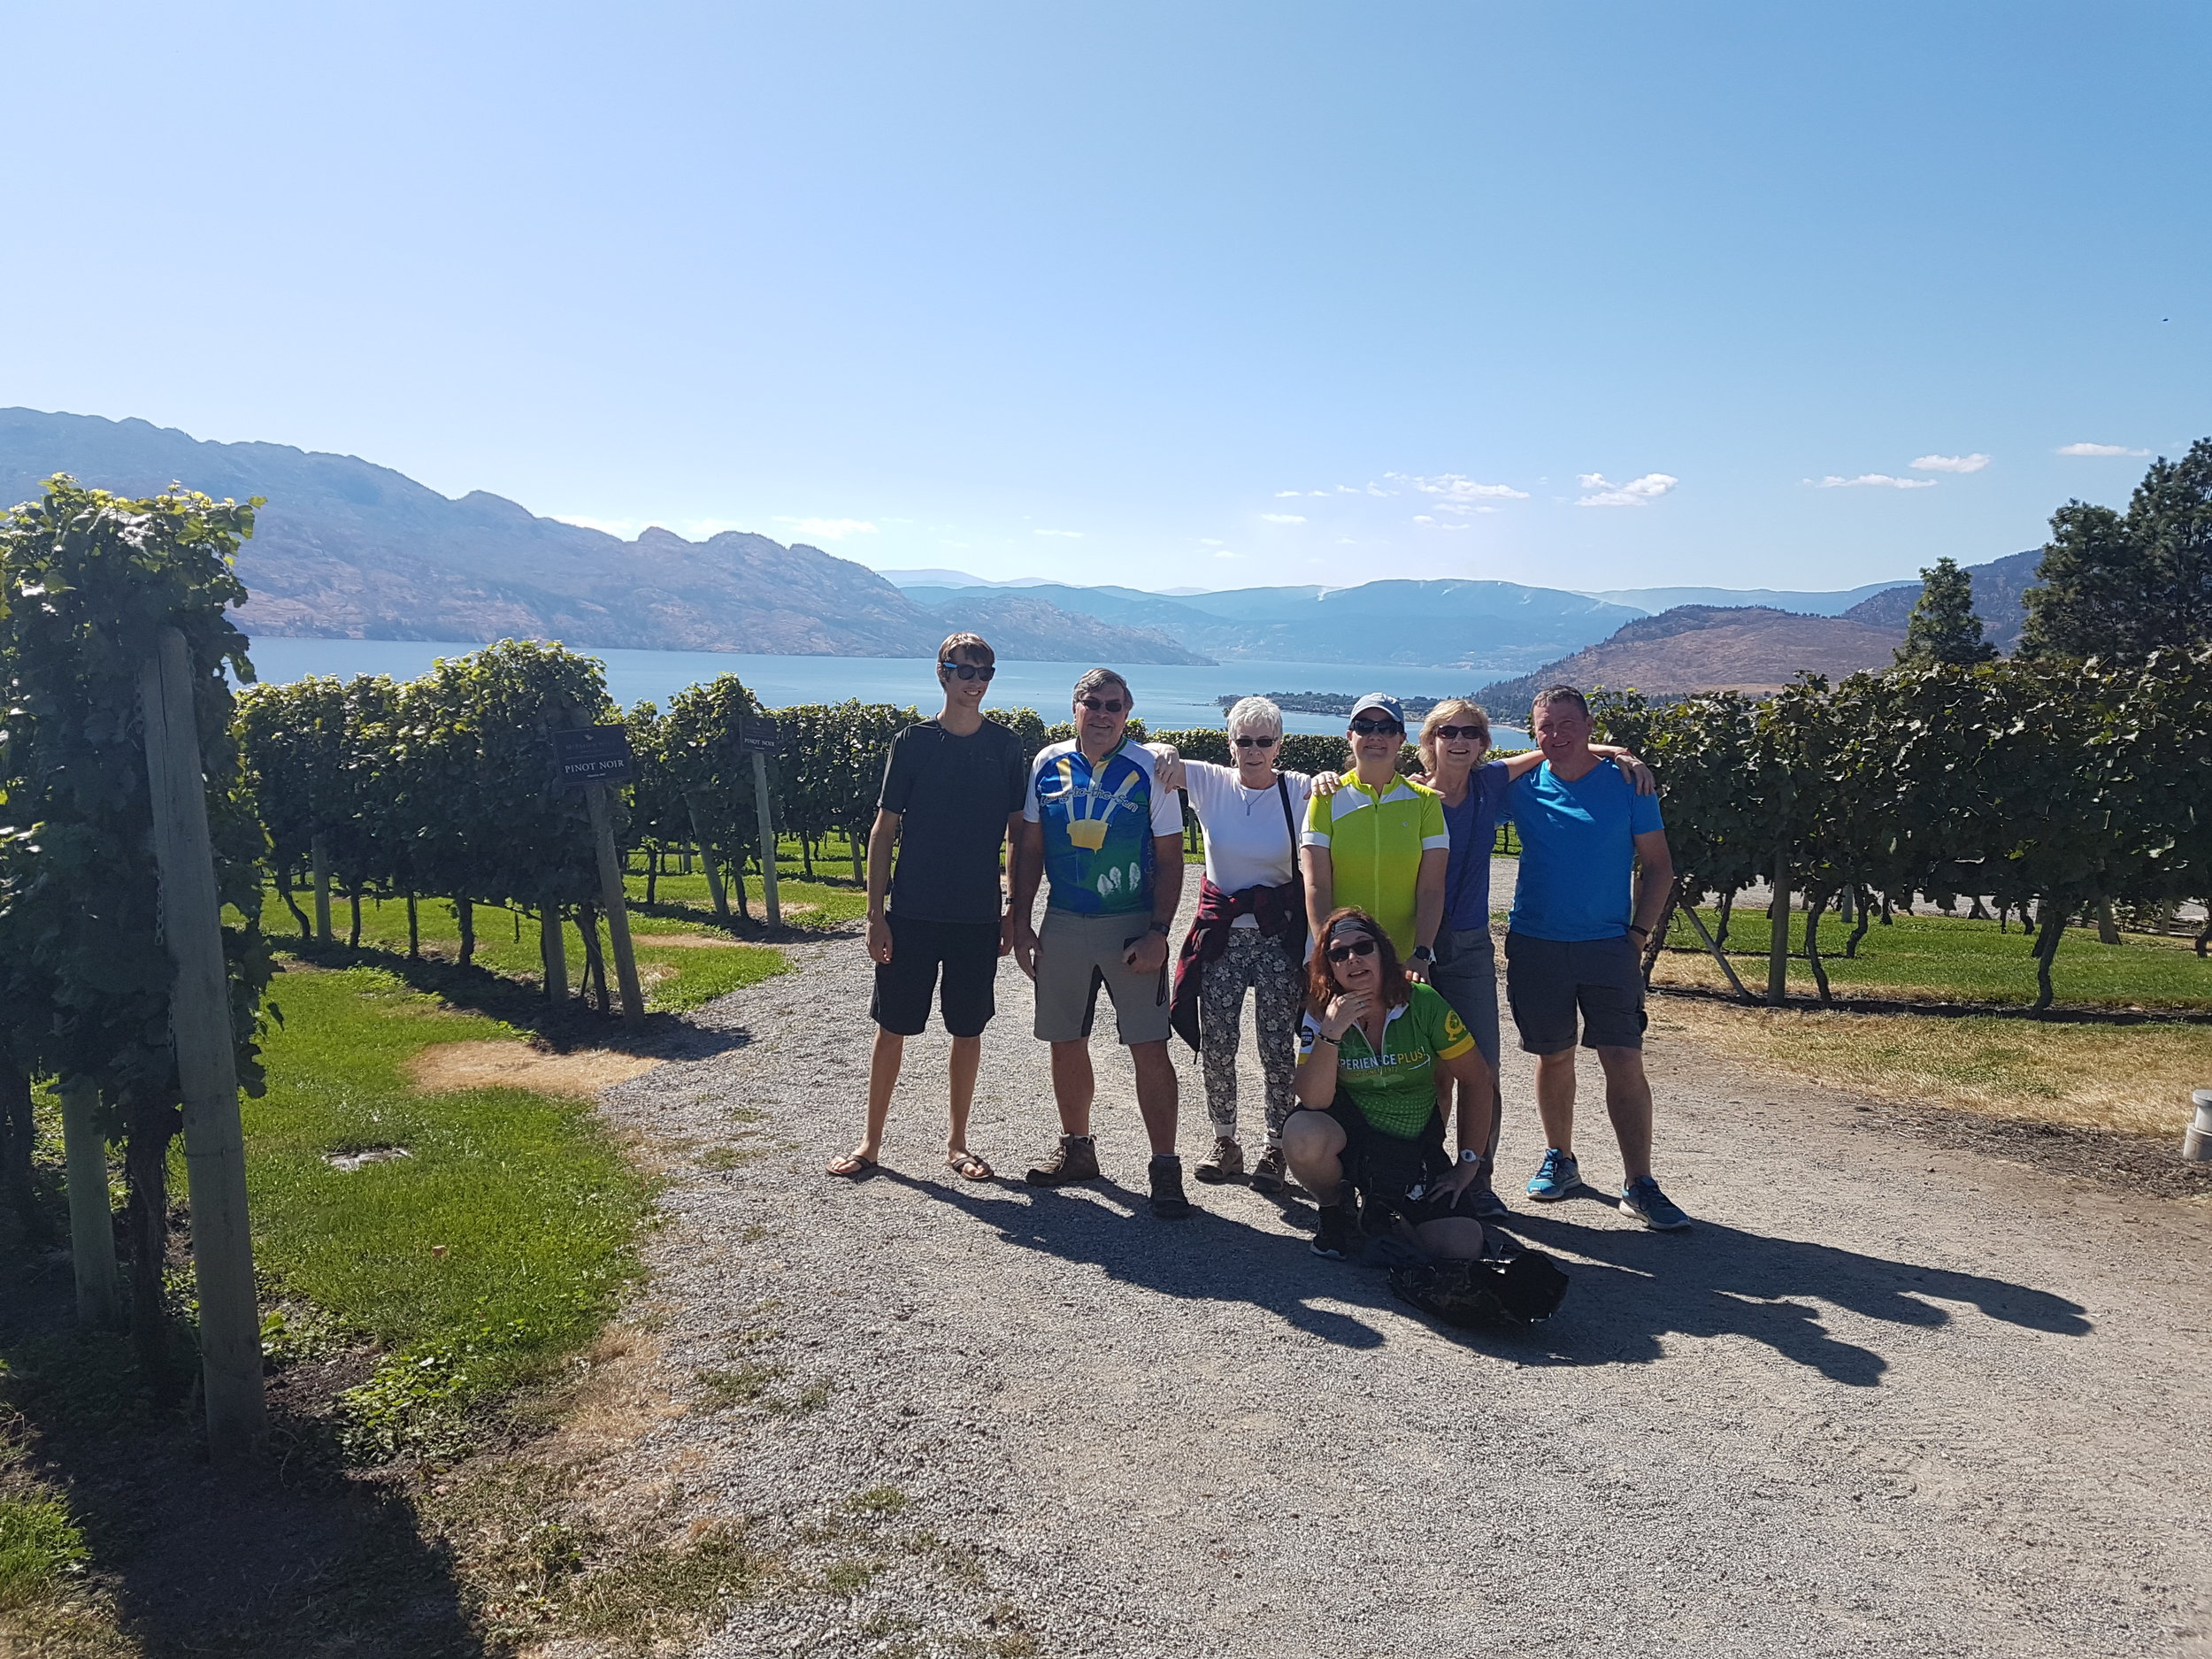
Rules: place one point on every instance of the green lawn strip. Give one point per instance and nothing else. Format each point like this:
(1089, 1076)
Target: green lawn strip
(497, 1246)
(676, 976)
(1954, 959)
(39, 1544)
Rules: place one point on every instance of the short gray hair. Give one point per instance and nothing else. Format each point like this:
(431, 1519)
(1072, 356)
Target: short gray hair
(1255, 714)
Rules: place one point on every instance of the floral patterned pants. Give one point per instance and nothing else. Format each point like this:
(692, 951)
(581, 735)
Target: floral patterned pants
(1260, 964)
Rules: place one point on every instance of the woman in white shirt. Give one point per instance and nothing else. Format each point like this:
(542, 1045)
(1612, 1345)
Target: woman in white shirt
(1250, 932)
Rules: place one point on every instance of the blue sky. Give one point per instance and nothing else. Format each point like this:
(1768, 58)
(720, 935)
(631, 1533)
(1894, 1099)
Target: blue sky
(1585, 296)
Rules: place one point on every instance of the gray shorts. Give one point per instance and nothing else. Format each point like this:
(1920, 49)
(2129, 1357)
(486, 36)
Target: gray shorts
(1077, 954)
(1549, 981)
(1466, 975)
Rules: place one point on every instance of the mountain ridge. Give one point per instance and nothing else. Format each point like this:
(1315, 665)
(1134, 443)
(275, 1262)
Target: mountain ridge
(347, 548)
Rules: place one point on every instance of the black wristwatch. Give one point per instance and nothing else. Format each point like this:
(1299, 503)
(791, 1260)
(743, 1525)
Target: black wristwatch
(1422, 953)
(1641, 931)
(1158, 927)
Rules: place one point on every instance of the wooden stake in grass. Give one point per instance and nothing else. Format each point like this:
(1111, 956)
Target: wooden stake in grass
(1778, 925)
(714, 873)
(207, 1059)
(553, 953)
(320, 857)
(91, 1219)
(612, 896)
(767, 832)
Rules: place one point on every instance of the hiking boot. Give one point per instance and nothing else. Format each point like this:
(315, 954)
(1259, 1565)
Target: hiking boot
(1642, 1199)
(1075, 1159)
(1224, 1162)
(1268, 1175)
(1485, 1204)
(1559, 1176)
(1168, 1202)
(1339, 1226)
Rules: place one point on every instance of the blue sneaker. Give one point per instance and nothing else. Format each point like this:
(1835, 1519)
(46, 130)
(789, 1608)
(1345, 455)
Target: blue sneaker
(1643, 1200)
(1559, 1176)
(1487, 1205)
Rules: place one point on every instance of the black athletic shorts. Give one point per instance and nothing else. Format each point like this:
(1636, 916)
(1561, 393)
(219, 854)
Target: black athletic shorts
(1384, 1168)
(968, 954)
(1550, 982)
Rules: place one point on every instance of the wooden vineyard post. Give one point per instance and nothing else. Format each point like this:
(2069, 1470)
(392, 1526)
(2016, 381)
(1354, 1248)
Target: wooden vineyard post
(207, 1060)
(91, 1221)
(612, 896)
(593, 759)
(758, 736)
(767, 842)
(1778, 925)
(320, 858)
(714, 870)
(552, 953)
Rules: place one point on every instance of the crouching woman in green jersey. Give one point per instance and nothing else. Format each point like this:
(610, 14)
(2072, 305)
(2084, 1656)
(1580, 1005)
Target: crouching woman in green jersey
(1375, 1056)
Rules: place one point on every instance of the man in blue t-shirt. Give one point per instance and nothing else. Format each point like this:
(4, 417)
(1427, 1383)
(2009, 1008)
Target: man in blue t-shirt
(1574, 945)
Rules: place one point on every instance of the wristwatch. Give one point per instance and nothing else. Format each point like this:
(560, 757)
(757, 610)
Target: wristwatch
(1468, 1154)
(1422, 953)
(1158, 927)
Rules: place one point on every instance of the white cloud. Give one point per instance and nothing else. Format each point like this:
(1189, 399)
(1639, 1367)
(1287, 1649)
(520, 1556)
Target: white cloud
(1951, 463)
(2071, 449)
(1638, 491)
(1342, 541)
(1427, 523)
(828, 529)
(623, 527)
(1209, 541)
(1871, 481)
(1289, 494)
(1284, 517)
(1072, 535)
(1459, 493)
(1225, 554)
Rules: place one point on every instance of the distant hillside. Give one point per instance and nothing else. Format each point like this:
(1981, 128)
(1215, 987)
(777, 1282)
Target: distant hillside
(1483, 624)
(1998, 589)
(348, 550)
(1753, 648)
(1808, 603)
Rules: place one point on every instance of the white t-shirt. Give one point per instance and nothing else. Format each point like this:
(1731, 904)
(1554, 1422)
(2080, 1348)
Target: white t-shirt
(1247, 844)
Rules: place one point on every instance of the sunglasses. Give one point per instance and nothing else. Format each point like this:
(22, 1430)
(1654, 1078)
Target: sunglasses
(966, 671)
(1447, 733)
(1377, 728)
(1357, 948)
(1255, 742)
(1100, 705)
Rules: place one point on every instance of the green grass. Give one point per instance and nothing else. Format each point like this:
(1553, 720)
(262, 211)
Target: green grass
(1952, 959)
(677, 978)
(38, 1544)
(497, 1246)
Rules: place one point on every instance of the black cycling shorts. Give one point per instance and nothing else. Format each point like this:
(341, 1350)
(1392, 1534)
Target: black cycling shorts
(966, 953)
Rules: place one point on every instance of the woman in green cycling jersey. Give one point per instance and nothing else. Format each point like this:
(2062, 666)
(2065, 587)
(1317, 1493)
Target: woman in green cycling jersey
(1376, 1053)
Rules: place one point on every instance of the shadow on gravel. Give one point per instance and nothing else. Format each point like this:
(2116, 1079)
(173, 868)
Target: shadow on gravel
(1210, 1257)
(1633, 1287)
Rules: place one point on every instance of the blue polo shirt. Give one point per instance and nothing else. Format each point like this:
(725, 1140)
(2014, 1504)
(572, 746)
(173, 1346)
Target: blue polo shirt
(1578, 852)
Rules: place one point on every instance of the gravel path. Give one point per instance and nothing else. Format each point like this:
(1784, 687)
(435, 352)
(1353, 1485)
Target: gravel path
(1882, 1400)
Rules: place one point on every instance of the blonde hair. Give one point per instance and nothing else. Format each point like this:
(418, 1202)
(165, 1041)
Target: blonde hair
(1451, 711)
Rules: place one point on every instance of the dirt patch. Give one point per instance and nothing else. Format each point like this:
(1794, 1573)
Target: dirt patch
(681, 942)
(2107, 1102)
(448, 1067)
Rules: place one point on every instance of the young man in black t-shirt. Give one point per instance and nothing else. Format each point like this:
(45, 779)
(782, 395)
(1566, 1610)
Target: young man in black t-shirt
(952, 798)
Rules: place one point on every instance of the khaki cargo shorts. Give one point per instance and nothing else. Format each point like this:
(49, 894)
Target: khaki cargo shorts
(1077, 954)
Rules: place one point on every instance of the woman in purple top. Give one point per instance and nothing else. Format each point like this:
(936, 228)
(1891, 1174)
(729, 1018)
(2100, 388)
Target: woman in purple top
(1455, 748)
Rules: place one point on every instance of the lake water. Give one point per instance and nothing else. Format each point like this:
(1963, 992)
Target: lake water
(1168, 698)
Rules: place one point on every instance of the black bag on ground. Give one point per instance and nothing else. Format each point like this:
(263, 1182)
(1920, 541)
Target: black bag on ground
(1526, 1290)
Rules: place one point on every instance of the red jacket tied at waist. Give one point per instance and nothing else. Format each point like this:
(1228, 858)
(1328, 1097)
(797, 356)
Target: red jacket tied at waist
(1281, 915)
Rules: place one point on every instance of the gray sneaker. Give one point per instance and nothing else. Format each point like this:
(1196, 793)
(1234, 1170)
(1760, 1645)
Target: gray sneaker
(1642, 1199)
